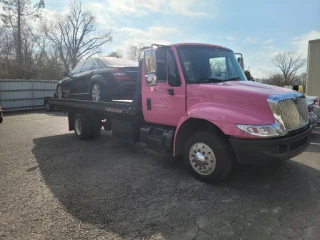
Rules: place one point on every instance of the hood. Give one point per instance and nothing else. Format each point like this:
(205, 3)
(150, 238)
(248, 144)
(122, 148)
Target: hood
(244, 92)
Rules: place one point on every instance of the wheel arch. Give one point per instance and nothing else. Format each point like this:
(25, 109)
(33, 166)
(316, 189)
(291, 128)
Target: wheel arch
(95, 79)
(190, 126)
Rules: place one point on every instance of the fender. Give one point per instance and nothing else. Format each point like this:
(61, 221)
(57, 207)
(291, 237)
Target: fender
(95, 78)
(226, 116)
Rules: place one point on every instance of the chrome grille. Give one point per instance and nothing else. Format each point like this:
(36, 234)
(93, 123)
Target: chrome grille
(290, 113)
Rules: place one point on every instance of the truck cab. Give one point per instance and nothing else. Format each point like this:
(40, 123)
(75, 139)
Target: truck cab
(194, 101)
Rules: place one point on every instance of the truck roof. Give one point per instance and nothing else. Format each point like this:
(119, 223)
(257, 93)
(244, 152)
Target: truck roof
(199, 44)
(190, 44)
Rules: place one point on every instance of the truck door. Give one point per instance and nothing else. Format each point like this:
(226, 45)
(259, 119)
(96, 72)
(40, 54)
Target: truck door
(165, 102)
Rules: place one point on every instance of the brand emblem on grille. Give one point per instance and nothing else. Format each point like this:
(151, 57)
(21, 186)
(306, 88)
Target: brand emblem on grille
(295, 99)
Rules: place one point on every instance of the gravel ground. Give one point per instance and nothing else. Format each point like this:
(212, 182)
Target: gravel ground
(54, 186)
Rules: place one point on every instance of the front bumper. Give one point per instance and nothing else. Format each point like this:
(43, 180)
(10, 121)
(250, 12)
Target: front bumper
(257, 151)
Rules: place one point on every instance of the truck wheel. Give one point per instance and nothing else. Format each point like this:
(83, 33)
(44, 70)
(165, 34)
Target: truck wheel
(208, 157)
(82, 126)
(95, 128)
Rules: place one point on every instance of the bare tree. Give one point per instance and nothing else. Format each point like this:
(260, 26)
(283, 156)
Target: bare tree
(75, 35)
(134, 52)
(248, 75)
(115, 54)
(276, 79)
(46, 58)
(15, 15)
(289, 64)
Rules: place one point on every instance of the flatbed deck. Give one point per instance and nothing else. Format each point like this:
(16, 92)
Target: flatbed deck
(114, 106)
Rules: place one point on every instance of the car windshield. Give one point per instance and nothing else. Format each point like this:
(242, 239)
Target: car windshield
(119, 62)
(204, 64)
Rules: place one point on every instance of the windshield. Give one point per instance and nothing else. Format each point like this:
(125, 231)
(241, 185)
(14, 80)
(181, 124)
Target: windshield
(202, 64)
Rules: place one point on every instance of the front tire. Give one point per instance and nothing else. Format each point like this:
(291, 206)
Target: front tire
(1, 120)
(208, 157)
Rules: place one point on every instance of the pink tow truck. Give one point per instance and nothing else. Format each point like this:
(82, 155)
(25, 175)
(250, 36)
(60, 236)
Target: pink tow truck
(194, 101)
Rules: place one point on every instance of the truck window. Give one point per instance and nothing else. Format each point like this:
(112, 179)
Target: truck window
(161, 55)
(202, 64)
(173, 72)
(217, 66)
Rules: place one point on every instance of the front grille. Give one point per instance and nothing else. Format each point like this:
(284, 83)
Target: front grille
(294, 113)
(291, 113)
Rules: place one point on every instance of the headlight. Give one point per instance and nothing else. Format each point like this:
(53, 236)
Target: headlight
(262, 131)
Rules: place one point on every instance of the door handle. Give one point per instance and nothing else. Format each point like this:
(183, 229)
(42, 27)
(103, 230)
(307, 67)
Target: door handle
(171, 92)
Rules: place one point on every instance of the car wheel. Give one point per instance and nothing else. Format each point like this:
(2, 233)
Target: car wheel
(1, 120)
(208, 157)
(60, 92)
(48, 106)
(96, 92)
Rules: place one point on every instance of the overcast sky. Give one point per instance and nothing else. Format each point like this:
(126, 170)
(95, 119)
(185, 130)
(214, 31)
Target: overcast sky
(257, 28)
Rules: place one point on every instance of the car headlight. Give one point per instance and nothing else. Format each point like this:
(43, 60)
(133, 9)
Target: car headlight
(262, 131)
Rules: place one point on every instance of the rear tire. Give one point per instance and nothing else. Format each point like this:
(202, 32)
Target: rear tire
(82, 126)
(95, 127)
(1, 120)
(95, 92)
(208, 157)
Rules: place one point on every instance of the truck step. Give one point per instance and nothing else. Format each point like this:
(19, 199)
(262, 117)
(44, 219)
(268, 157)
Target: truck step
(157, 139)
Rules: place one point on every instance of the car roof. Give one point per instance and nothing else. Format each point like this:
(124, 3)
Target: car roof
(113, 61)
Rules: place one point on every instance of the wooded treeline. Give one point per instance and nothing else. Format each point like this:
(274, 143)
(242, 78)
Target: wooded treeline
(34, 46)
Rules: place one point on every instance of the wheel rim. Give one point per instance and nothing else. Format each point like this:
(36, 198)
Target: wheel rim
(202, 158)
(95, 93)
(47, 106)
(59, 92)
(77, 126)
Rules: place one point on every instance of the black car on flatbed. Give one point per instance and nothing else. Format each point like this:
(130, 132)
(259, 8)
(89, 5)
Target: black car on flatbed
(99, 79)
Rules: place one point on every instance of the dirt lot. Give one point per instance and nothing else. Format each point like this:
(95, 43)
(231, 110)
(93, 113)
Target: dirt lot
(54, 186)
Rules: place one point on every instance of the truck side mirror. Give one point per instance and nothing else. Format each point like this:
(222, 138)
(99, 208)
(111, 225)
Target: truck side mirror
(240, 60)
(150, 67)
(151, 79)
(150, 61)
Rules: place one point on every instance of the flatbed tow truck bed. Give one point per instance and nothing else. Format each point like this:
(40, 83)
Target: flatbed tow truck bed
(115, 106)
(120, 116)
